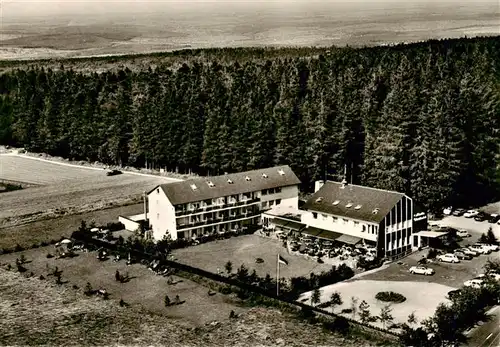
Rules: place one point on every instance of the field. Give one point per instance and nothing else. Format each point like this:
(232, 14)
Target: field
(52, 229)
(245, 250)
(68, 190)
(29, 170)
(104, 29)
(39, 312)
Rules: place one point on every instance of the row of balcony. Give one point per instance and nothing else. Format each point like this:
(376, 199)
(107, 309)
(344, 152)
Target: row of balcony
(219, 220)
(215, 207)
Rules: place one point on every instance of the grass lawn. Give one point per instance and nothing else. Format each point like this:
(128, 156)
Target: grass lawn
(46, 230)
(244, 250)
(421, 298)
(36, 312)
(145, 289)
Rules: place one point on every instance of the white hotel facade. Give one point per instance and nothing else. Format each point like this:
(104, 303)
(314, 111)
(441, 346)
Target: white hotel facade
(209, 205)
(351, 214)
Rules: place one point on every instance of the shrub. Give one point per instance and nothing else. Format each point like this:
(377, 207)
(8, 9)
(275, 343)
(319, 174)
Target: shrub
(35, 245)
(346, 310)
(41, 277)
(226, 290)
(44, 243)
(339, 324)
(390, 297)
(18, 248)
(49, 255)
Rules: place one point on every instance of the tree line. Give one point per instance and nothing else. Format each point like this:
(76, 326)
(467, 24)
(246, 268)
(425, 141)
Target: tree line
(421, 119)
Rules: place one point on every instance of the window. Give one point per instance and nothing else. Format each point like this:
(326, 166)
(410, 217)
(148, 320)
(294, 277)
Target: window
(345, 220)
(334, 219)
(325, 217)
(281, 172)
(278, 201)
(157, 190)
(271, 191)
(264, 175)
(315, 215)
(271, 203)
(157, 216)
(356, 224)
(277, 190)
(230, 181)
(264, 191)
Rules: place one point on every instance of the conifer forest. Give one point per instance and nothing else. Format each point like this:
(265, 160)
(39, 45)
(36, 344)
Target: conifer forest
(422, 118)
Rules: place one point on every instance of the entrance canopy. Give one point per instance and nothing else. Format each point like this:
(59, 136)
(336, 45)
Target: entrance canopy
(287, 224)
(431, 234)
(351, 240)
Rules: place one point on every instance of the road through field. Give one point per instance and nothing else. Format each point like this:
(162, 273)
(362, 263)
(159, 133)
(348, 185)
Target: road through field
(65, 189)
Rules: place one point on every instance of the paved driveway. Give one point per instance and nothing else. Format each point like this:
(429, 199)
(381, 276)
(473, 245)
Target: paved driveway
(469, 224)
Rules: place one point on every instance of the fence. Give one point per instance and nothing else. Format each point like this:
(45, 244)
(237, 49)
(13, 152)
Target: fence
(241, 285)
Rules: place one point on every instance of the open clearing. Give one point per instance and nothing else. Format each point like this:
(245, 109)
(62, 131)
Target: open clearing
(36, 312)
(52, 229)
(71, 189)
(421, 298)
(245, 250)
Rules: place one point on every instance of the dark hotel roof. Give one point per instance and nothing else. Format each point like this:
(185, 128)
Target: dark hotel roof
(231, 184)
(353, 201)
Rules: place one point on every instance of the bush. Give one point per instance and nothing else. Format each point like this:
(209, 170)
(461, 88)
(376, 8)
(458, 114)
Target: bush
(390, 297)
(346, 310)
(18, 248)
(226, 290)
(340, 325)
(49, 255)
(44, 243)
(35, 245)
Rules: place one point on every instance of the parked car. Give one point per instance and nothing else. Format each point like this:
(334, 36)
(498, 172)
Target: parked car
(447, 211)
(113, 173)
(462, 255)
(471, 213)
(474, 283)
(468, 251)
(494, 218)
(459, 212)
(421, 270)
(463, 233)
(491, 247)
(448, 258)
(481, 217)
(480, 249)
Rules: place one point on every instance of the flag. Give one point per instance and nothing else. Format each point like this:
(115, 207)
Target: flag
(282, 260)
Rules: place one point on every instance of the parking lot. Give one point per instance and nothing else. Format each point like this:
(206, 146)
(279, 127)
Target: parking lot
(469, 224)
(452, 275)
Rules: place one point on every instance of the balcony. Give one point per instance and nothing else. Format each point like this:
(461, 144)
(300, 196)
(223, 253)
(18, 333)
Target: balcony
(219, 220)
(219, 207)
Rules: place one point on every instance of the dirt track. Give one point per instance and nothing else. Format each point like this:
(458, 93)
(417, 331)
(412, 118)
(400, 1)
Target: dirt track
(68, 189)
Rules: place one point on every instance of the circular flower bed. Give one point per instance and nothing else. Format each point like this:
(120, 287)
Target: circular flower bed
(390, 297)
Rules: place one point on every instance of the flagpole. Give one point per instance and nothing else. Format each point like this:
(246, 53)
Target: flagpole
(278, 277)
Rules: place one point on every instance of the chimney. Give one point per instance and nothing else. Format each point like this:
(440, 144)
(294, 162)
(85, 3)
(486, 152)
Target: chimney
(145, 206)
(318, 185)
